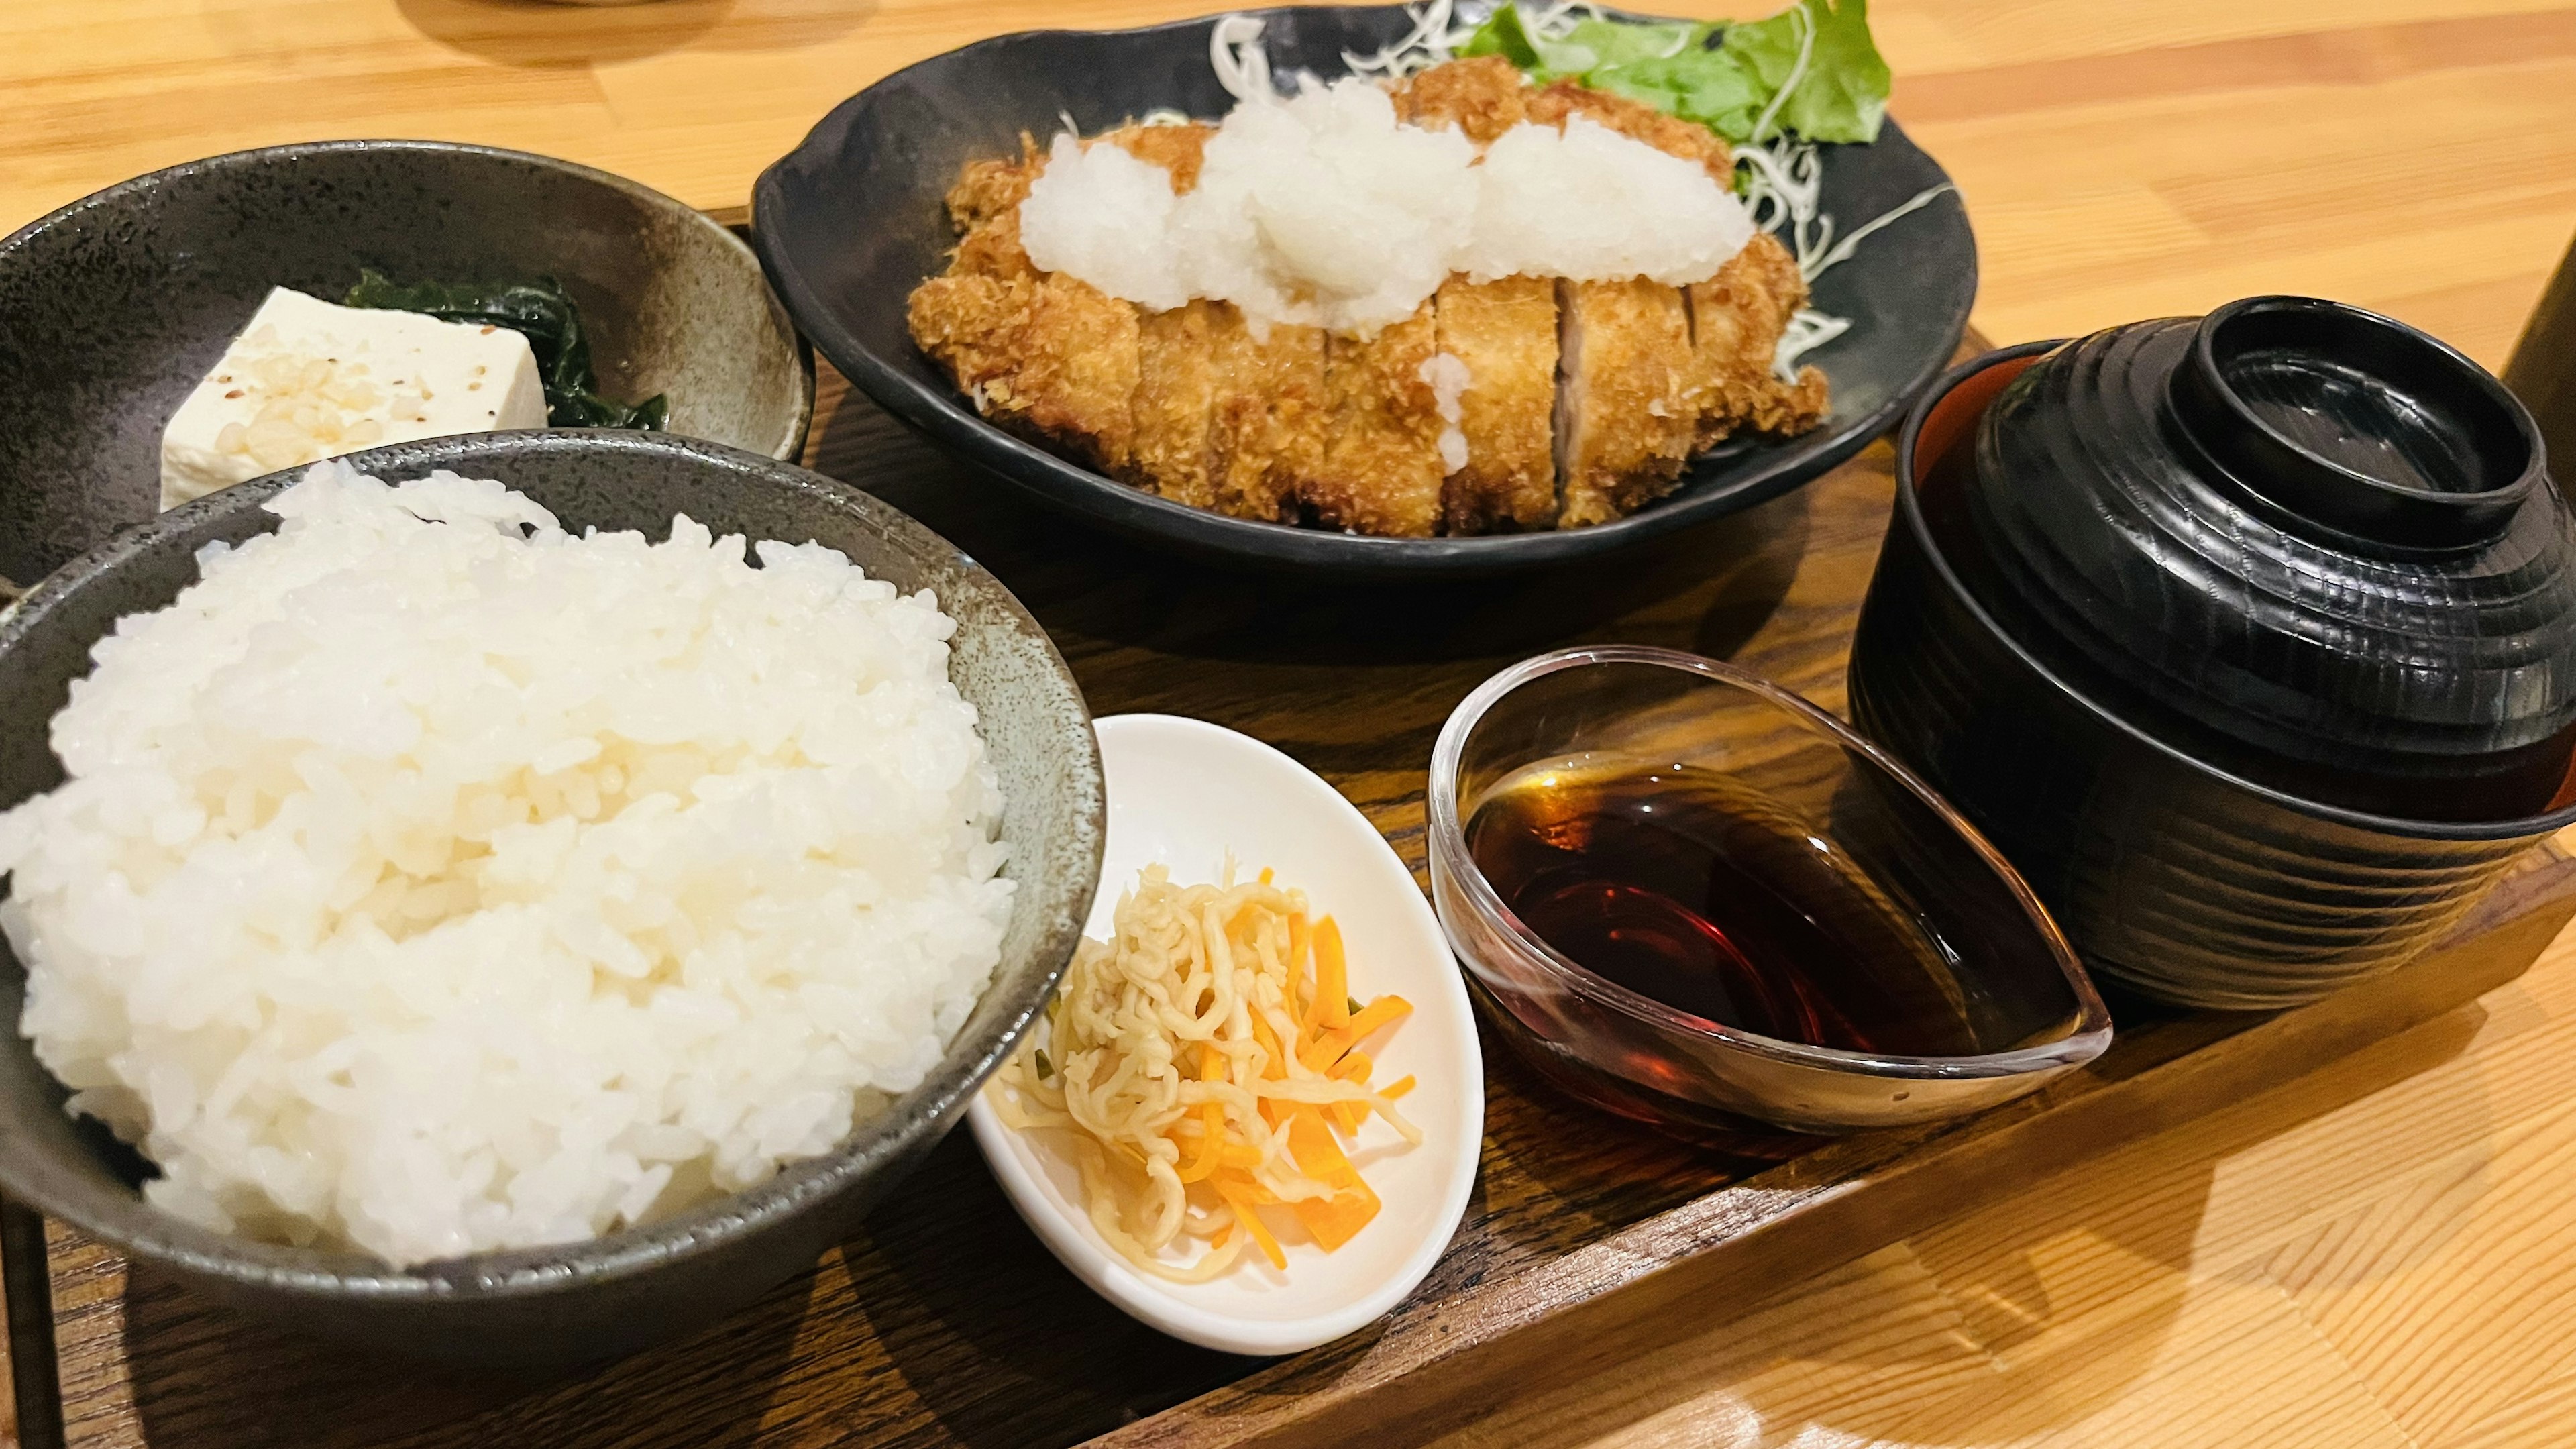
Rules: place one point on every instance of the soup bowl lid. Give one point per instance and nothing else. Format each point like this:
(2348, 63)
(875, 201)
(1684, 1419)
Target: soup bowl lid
(2308, 531)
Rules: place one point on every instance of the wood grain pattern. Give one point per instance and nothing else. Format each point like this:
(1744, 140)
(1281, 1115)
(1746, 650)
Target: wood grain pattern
(2374, 1254)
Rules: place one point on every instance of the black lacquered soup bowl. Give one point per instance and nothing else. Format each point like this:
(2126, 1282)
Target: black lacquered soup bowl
(2170, 874)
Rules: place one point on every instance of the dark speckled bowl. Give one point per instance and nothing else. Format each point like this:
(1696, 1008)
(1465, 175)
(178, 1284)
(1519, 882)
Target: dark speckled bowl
(622, 1291)
(112, 308)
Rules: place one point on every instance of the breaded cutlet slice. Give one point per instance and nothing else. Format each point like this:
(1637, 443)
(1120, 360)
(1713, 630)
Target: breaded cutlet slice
(1176, 359)
(1623, 431)
(1551, 105)
(1736, 320)
(1382, 468)
(1267, 414)
(1483, 97)
(1175, 398)
(1505, 333)
(1052, 358)
(970, 324)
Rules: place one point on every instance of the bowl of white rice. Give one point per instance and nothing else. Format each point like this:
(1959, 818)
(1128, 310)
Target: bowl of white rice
(518, 897)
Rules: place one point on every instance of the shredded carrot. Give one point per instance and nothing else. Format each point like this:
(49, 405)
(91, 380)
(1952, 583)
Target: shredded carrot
(1332, 976)
(1328, 1048)
(1336, 1219)
(1274, 1064)
(1249, 1215)
(1175, 1147)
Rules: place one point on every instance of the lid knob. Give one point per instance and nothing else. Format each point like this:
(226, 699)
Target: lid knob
(2339, 417)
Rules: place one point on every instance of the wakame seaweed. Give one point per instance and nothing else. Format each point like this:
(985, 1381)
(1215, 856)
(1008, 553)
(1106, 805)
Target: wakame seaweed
(540, 311)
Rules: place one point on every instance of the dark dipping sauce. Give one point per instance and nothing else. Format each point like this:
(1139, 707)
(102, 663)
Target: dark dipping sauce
(1690, 887)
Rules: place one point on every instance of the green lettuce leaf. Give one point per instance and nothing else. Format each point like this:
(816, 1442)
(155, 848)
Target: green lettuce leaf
(1508, 34)
(1843, 95)
(1723, 78)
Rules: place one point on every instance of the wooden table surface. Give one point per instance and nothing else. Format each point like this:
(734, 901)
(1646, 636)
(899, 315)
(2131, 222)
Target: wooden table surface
(2382, 1252)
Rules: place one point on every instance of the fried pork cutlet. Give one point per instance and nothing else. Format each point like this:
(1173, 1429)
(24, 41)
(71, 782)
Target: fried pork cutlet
(1483, 97)
(1736, 319)
(1268, 415)
(1623, 432)
(1175, 398)
(1052, 359)
(1382, 468)
(1505, 333)
(1583, 401)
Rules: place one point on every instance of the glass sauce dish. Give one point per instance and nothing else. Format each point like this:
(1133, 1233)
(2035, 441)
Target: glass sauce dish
(1692, 898)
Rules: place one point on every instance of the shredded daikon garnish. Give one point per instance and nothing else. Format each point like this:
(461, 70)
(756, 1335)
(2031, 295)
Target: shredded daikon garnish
(1205, 1063)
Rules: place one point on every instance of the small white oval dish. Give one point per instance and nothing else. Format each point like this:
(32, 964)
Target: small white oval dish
(1185, 793)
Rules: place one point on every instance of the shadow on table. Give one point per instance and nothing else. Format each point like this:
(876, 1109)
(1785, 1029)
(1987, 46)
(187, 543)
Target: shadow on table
(537, 34)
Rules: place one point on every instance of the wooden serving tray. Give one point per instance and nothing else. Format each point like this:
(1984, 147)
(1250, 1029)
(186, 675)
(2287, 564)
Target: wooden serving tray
(946, 1322)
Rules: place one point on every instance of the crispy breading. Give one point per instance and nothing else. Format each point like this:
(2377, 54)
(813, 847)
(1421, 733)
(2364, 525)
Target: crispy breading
(1078, 384)
(1175, 394)
(1789, 409)
(1505, 333)
(1052, 358)
(1267, 415)
(1550, 105)
(1176, 369)
(985, 189)
(1176, 148)
(1623, 431)
(1483, 97)
(970, 324)
(1736, 320)
(992, 249)
(1382, 460)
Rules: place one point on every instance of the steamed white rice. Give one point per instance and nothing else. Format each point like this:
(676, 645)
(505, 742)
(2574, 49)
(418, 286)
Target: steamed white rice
(434, 881)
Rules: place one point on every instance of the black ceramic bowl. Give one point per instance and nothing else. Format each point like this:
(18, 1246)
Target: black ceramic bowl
(604, 1297)
(2176, 875)
(112, 308)
(850, 222)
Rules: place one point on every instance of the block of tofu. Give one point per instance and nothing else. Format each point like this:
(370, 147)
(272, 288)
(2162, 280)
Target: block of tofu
(307, 380)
